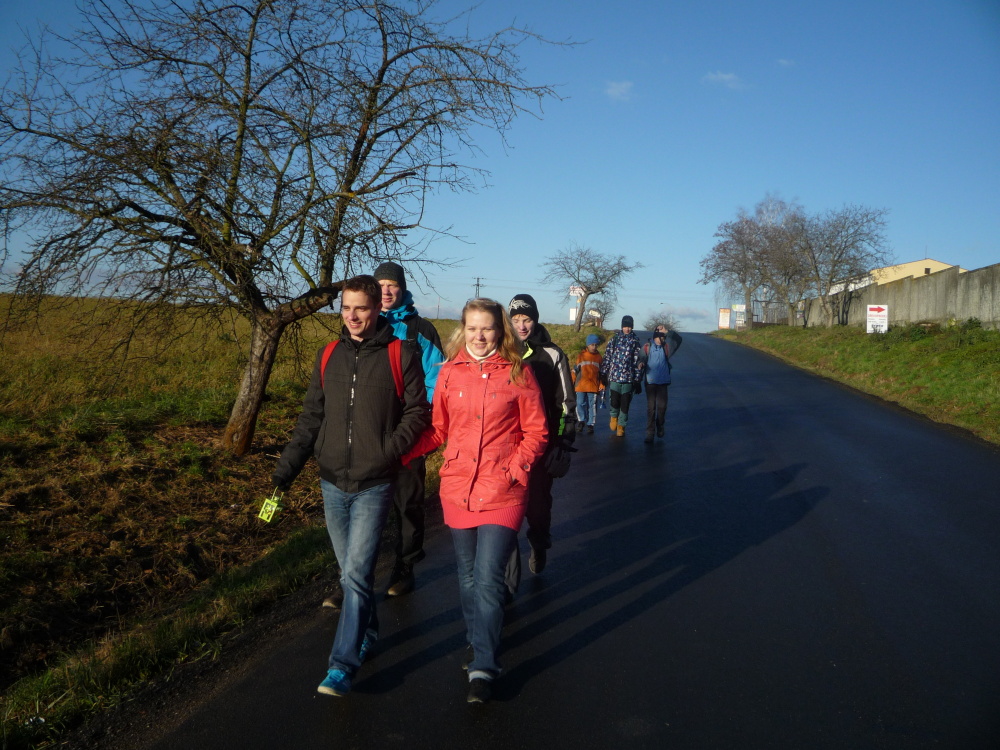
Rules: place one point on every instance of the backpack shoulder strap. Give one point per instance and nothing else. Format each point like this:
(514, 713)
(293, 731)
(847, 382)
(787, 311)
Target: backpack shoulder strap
(396, 363)
(324, 359)
(411, 329)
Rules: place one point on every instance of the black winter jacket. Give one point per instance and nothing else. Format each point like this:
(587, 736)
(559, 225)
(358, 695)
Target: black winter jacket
(552, 371)
(354, 424)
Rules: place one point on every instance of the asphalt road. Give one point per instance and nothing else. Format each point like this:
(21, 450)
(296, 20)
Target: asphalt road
(794, 566)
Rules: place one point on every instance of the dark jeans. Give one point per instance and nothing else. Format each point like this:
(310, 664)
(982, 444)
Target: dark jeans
(656, 407)
(481, 553)
(408, 501)
(539, 517)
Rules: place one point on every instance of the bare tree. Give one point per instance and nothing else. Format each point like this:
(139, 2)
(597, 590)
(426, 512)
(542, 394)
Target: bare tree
(662, 318)
(243, 154)
(736, 259)
(785, 273)
(593, 273)
(603, 306)
(840, 249)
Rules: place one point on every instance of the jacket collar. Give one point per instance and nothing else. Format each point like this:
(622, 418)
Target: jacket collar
(404, 311)
(492, 363)
(382, 336)
(540, 336)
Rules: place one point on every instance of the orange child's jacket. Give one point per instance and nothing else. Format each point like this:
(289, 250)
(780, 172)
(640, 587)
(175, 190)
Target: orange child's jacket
(587, 373)
(494, 432)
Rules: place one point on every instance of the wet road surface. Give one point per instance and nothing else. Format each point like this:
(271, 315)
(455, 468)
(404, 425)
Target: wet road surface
(793, 566)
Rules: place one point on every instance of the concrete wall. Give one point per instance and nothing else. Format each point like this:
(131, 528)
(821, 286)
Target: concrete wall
(938, 297)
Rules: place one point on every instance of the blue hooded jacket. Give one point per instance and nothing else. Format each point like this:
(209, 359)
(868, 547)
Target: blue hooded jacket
(409, 326)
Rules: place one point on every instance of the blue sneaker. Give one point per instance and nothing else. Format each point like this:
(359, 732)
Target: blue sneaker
(366, 646)
(336, 683)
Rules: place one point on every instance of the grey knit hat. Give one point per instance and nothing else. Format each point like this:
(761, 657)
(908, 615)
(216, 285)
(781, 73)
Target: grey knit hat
(390, 271)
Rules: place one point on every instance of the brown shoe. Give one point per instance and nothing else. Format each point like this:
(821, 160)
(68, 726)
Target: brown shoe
(614, 423)
(401, 581)
(621, 430)
(335, 600)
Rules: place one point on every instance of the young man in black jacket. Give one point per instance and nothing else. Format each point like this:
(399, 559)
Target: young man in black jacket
(357, 427)
(551, 368)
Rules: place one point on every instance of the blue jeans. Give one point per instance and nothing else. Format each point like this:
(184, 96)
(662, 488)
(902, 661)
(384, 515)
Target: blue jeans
(482, 555)
(586, 408)
(355, 521)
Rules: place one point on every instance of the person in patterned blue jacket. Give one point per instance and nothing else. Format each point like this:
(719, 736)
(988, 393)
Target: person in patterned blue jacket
(622, 368)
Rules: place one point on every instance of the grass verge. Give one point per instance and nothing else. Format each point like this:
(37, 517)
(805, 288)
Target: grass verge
(38, 709)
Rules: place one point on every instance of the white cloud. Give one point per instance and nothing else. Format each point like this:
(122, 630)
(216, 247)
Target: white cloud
(786, 63)
(619, 91)
(729, 80)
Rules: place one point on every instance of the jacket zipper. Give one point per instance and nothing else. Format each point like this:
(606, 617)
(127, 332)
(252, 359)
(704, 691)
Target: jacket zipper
(350, 413)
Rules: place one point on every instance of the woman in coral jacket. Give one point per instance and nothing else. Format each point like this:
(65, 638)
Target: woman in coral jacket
(488, 412)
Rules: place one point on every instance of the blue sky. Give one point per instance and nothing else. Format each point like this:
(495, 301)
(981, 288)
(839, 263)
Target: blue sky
(677, 114)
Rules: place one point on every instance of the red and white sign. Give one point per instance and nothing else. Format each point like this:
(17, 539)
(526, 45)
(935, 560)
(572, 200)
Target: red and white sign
(878, 318)
(576, 291)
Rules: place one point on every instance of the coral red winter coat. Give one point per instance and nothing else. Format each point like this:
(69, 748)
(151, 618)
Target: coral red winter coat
(493, 430)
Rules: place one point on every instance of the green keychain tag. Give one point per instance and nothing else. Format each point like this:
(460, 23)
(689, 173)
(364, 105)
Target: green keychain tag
(271, 506)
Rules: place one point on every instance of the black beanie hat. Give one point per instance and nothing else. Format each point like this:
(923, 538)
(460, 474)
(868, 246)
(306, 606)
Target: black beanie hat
(390, 271)
(523, 304)
(627, 322)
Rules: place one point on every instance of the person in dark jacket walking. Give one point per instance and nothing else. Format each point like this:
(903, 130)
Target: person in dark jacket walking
(551, 367)
(358, 429)
(398, 309)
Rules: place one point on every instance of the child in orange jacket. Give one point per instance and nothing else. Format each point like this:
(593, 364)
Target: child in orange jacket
(587, 376)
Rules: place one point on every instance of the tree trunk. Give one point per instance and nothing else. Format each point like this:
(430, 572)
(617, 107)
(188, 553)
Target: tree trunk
(829, 310)
(265, 335)
(580, 310)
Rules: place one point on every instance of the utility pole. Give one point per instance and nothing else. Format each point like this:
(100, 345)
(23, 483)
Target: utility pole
(478, 281)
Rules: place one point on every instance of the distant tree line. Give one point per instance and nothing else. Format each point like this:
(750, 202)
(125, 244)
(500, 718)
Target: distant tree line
(780, 254)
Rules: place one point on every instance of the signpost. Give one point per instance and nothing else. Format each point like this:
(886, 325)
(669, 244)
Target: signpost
(724, 313)
(878, 318)
(741, 316)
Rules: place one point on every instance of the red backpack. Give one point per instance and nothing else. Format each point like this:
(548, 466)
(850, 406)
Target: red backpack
(395, 361)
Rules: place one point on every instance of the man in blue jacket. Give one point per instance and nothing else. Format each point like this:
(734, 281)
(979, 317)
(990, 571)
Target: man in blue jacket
(398, 309)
